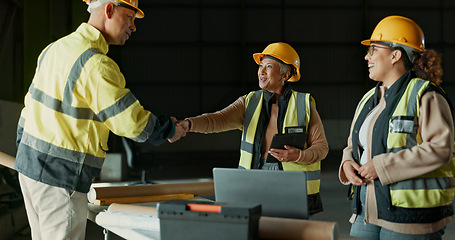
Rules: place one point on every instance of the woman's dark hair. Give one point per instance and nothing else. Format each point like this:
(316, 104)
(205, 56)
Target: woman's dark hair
(428, 66)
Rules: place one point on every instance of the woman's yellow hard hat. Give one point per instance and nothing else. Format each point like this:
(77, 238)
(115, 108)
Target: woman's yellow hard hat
(283, 52)
(398, 30)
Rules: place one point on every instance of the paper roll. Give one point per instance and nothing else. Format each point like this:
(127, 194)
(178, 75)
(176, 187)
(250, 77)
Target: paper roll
(133, 209)
(286, 228)
(130, 216)
(196, 188)
(7, 160)
(129, 221)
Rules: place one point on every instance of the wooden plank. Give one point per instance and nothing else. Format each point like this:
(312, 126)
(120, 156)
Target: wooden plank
(141, 199)
(195, 188)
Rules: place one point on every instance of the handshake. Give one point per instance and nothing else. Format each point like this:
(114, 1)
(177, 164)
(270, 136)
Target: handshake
(181, 128)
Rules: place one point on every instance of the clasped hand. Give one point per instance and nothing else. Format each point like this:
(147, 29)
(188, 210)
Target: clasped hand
(181, 128)
(359, 175)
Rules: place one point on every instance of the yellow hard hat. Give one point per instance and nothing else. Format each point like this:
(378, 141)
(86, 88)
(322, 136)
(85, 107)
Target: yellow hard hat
(283, 52)
(398, 30)
(132, 4)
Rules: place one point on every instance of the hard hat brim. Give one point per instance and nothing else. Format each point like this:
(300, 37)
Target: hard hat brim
(139, 13)
(366, 42)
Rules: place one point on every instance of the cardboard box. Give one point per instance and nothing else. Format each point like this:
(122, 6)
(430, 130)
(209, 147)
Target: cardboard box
(185, 219)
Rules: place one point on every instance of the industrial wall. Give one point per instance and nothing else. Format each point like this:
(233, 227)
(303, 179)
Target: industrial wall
(189, 57)
(192, 57)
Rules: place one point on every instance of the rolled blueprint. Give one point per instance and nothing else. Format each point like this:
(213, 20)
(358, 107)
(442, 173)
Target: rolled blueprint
(133, 209)
(130, 217)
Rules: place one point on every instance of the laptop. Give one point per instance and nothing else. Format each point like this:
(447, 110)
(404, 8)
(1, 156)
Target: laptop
(280, 193)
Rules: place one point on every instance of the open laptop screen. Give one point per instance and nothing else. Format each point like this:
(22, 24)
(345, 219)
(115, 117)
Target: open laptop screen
(280, 193)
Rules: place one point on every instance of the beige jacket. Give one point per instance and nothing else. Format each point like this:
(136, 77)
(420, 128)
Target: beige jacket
(231, 118)
(437, 131)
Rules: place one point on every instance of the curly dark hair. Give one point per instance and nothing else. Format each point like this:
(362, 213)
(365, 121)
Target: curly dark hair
(428, 66)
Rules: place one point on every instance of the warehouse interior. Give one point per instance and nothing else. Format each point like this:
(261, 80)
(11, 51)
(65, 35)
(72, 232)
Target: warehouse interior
(195, 56)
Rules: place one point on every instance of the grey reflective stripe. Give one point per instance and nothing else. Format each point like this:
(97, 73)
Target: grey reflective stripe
(247, 147)
(424, 183)
(313, 175)
(148, 130)
(251, 107)
(62, 107)
(75, 73)
(395, 150)
(412, 102)
(81, 113)
(411, 110)
(118, 107)
(62, 153)
(21, 121)
(404, 124)
(44, 54)
(301, 109)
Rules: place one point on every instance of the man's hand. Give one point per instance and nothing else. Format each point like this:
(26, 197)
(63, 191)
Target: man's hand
(186, 124)
(179, 132)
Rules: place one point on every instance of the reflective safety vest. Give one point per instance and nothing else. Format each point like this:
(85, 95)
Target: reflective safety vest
(76, 99)
(297, 114)
(434, 189)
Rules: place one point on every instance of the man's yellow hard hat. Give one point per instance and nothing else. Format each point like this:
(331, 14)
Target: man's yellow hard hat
(132, 4)
(283, 52)
(398, 30)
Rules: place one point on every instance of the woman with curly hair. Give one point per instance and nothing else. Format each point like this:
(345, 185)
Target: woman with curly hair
(399, 158)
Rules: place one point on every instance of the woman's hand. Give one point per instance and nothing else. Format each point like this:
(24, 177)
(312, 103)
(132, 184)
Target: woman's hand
(368, 171)
(351, 170)
(289, 154)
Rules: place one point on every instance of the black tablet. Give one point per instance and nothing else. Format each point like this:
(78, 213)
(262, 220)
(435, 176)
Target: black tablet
(297, 140)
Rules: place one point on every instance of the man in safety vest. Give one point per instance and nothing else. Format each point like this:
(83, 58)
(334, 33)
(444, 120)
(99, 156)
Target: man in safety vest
(77, 97)
(276, 108)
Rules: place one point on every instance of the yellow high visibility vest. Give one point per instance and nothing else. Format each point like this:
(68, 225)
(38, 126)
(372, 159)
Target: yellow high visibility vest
(433, 189)
(298, 113)
(430, 190)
